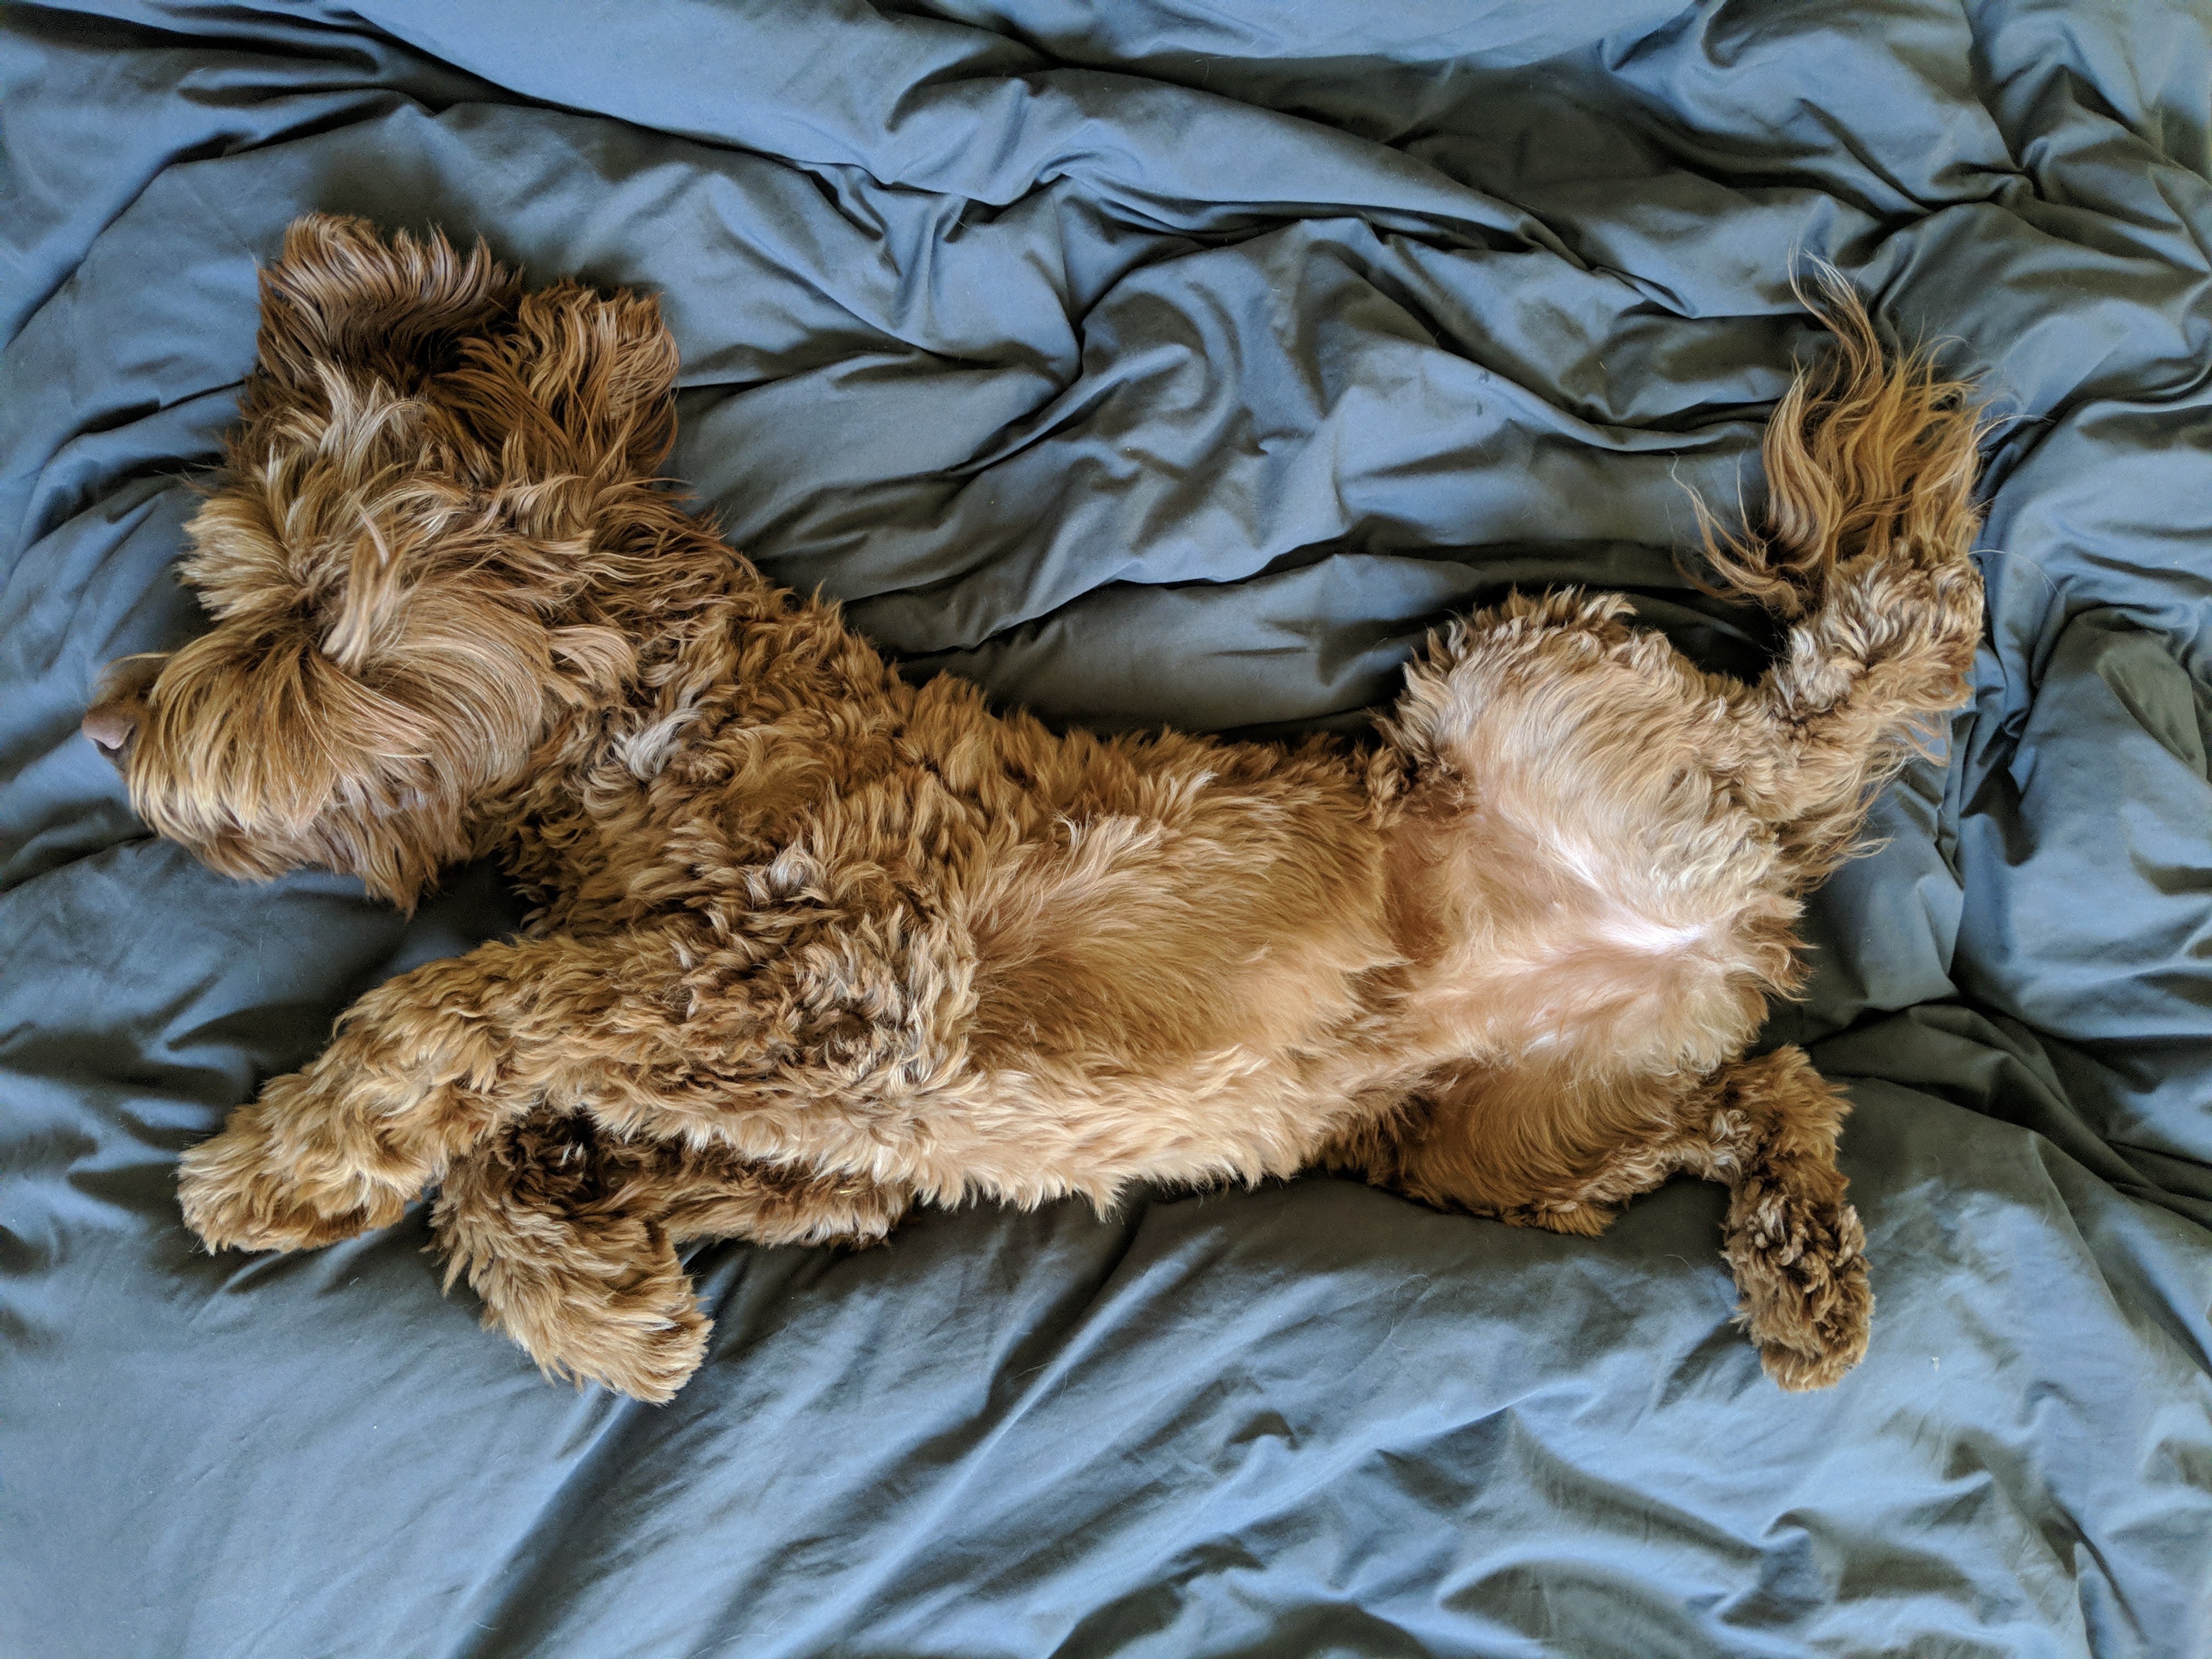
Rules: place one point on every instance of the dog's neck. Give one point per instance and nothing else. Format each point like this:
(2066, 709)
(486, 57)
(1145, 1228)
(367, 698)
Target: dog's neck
(676, 642)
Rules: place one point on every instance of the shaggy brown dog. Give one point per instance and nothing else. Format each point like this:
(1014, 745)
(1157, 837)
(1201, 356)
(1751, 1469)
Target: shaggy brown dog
(812, 943)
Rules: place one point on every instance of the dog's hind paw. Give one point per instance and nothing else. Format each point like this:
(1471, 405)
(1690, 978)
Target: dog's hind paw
(1800, 1259)
(1568, 1216)
(1800, 1262)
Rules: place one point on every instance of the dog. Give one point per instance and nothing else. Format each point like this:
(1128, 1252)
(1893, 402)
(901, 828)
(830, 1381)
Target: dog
(813, 944)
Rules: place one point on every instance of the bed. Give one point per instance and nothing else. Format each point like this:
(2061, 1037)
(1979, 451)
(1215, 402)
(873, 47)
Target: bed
(1163, 362)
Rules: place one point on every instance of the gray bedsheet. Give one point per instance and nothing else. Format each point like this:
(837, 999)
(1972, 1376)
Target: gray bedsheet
(1162, 361)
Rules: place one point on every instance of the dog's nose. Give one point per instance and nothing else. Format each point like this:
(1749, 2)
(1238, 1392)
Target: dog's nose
(110, 728)
(119, 703)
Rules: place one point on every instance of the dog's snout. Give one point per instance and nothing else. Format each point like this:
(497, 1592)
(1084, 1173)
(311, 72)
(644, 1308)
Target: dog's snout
(110, 727)
(119, 702)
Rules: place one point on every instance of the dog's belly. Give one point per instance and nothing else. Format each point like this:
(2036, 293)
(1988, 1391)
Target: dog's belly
(1047, 965)
(1099, 997)
(1155, 1004)
(1130, 947)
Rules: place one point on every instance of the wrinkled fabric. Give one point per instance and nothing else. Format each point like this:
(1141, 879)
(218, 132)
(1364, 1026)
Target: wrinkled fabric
(1151, 362)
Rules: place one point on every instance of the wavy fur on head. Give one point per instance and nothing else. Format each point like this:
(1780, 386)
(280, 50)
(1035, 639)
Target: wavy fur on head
(393, 559)
(812, 943)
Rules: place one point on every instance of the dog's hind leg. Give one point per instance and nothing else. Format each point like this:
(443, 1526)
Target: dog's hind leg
(1533, 1147)
(1767, 1129)
(569, 1235)
(1539, 1149)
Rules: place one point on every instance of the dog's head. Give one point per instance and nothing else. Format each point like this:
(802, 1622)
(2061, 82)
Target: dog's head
(397, 560)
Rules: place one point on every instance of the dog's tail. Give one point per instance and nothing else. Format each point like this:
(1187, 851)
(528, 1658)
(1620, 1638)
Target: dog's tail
(1866, 555)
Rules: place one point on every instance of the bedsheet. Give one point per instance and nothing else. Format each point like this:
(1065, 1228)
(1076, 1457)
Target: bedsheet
(1163, 362)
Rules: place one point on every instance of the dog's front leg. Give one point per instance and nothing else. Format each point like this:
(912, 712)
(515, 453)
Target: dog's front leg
(421, 1069)
(570, 1235)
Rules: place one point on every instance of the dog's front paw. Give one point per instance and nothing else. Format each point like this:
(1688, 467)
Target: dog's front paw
(648, 1358)
(642, 1340)
(251, 1189)
(1800, 1263)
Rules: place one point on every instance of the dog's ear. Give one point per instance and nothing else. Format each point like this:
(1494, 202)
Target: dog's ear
(343, 304)
(362, 335)
(582, 385)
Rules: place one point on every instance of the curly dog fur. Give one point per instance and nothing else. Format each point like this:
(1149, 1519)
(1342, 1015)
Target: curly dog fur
(813, 943)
